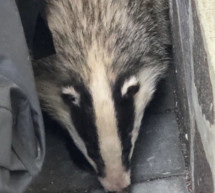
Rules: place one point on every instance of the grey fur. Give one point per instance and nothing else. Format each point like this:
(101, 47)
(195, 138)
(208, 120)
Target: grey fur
(141, 40)
(138, 41)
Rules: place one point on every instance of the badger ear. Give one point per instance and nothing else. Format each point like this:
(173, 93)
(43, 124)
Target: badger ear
(130, 87)
(70, 95)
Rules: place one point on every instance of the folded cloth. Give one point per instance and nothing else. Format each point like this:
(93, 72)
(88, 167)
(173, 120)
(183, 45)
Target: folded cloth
(22, 145)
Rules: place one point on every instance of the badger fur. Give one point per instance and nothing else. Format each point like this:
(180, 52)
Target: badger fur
(109, 56)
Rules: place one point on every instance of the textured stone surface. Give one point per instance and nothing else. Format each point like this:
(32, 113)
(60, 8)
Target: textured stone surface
(167, 185)
(181, 54)
(191, 28)
(201, 71)
(97, 191)
(203, 176)
(157, 151)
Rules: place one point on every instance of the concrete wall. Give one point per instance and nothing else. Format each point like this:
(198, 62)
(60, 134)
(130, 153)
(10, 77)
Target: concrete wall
(193, 29)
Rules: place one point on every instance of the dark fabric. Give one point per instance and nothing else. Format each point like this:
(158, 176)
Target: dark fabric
(22, 146)
(29, 11)
(37, 33)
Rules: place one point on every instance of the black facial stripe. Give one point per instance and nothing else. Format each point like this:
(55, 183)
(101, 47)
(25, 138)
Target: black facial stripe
(84, 121)
(125, 119)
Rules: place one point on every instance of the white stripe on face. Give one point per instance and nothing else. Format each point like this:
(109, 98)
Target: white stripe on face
(106, 123)
(147, 79)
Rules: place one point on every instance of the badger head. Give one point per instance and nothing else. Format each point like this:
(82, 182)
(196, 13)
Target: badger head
(102, 116)
(101, 80)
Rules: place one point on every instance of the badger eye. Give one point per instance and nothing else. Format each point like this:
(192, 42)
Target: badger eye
(70, 95)
(132, 90)
(130, 87)
(69, 98)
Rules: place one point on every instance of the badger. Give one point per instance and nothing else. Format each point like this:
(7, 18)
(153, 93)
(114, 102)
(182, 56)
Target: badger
(110, 54)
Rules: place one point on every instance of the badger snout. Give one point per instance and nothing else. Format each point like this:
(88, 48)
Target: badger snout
(116, 182)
